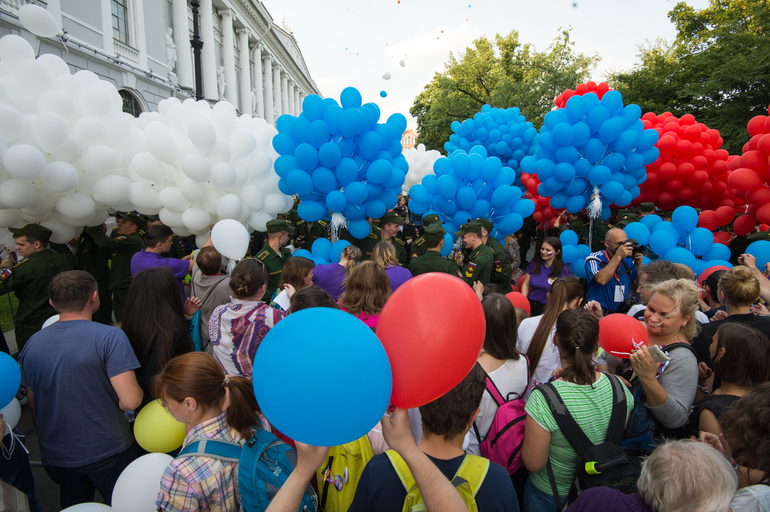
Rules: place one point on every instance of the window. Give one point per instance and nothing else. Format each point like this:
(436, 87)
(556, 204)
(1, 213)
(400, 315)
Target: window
(130, 104)
(120, 20)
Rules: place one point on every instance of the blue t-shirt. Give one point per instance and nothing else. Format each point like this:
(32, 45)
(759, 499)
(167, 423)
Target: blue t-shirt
(605, 294)
(68, 366)
(144, 259)
(381, 490)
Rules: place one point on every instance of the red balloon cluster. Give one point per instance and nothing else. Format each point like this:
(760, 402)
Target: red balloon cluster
(750, 178)
(712, 219)
(543, 210)
(691, 170)
(598, 89)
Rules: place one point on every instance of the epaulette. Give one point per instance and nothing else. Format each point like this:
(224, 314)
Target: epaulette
(6, 272)
(419, 241)
(323, 223)
(300, 221)
(400, 241)
(262, 255)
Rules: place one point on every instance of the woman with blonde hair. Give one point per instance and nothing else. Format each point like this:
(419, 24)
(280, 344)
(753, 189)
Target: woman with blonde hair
(367, 289)
(385, 254)
(663, 391)
(332, 276)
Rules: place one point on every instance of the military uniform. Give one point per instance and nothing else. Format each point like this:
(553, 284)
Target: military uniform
(432, 261)
(419, 247)
(481, 260)
(274, 262)
(367, 244)
(29, 281)
(598, 236)
(89, 257)
(501, 263)
(315, 230)
(178, 250)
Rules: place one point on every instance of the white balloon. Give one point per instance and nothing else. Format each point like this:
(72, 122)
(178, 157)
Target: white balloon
(90, 131)
(137, 486)
(71, 151)
(178, 118)
(230, 238)
(132, 144)
(34, 78)
(241, 173)
(223, 176)
(229, 206)
(260, 164)
(60, 177)
(172, 199)
(14, 50)
(258, 220)
(24, 161)
(202, 134)
(38, 20)
(220, 153)
(402, 63)
(88, 507)
(11, 123)
(196, 219)
(87, 77)
(76, 206)
(111, 189)
(201, 240)
(243, 218)
(148, 167)
(61, 233)
(144, 195)
(9, 218)
(55, 64)
(53, 319)
(196, 168)
(11, 413)
(263, 138)
(100, 159)
(41, 206)
(170, 218)
(242, 144)
(51, 131)
(23, 103)
(192, 190)
(69, 85)
(95, 102)
(224, 120)
(386, 76)
(275, 204)
(210, 203)
(252, 196)
(160, 143)
(87, 183)
(16, 193)
(119, 126)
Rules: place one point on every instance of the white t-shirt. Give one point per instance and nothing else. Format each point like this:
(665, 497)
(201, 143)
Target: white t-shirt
(699, 315)
(510, 379)
(549, 360)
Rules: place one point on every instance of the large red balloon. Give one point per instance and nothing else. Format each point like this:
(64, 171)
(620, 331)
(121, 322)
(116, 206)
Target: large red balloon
(725, 214)
(708, 219)
(704, 275)
(621, 334)
(432, 329)
(519, 301)
(744, 225)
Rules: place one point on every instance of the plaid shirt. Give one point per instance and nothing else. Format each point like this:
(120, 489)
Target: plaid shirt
(202, 483)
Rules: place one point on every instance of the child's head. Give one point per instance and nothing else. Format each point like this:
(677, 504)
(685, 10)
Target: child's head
(311, 297)
(451, 415)
(577, 336)
(500, 337)
(741, 355)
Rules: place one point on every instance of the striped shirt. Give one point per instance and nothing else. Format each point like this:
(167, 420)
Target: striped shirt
(591, 407)
(201, 483)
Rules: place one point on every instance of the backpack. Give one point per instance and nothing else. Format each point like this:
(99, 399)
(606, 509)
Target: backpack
(468, 479)
(195, 321)
(264, 464)
(338, 477)
(599, 465)
(506, 435)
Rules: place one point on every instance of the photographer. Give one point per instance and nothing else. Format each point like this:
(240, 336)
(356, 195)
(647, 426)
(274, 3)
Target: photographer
(612, 272)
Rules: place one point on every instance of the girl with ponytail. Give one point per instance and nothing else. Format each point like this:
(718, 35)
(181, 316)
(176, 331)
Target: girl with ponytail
(196, 392)
(536, 333)
(331, 277)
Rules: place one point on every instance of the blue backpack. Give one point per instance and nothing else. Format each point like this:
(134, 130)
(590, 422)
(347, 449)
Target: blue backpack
(264, 464)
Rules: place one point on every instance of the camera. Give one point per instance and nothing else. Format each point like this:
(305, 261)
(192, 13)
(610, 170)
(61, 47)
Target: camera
(636, 247)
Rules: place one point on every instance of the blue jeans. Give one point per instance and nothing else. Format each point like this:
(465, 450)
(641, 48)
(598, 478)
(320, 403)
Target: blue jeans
(16, 471)
(79, 485)
(536, 500)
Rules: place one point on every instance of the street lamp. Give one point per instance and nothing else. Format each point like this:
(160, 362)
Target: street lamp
(197, 45)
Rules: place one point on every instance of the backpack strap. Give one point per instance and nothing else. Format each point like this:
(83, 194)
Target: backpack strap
(564, 419)
(215, 449)
(402, 469)
(681, 344)
(617, 422)
(473, 470)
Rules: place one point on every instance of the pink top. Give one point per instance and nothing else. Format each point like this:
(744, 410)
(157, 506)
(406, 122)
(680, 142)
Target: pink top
(369, 320)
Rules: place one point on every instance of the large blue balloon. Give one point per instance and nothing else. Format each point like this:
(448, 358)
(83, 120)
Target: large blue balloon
(10, 379)
(569, 253)
(760, 250)
(717, 252)
(662, 241)
(638, 231)
(311, 211)
(336, 251)
(359, 228)
(685, 218)
(568, 237)
(356, 192)
(350, 98)
(293, 359)
(700, 241)
(302, 253)
(321, 248)
(335, 201)
(313, 107)
(446, 250)
(578, 269)
(683, 256)
(651, 220)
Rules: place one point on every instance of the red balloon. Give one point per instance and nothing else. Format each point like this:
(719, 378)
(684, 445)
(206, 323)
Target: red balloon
(621, 334)
(756, 125)
(744, 179)
(763, 214)
(764, 227)
(708, 219)
(432, 329)
(744, 225)
(519, 300)
(722, 238)
(704, 275)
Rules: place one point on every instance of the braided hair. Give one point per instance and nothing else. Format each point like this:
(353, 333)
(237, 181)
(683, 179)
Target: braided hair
(577, 335)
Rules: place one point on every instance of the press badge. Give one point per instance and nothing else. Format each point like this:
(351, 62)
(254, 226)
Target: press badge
(620, 293)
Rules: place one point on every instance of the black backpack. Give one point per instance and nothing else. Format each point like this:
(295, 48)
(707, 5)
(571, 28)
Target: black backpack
(599, 465)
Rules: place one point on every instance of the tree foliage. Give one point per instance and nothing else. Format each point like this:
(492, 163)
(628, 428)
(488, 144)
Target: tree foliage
(502, 73)
(717, 69)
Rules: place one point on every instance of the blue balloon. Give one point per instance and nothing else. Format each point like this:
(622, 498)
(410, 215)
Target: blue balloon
(599, 175)
(375, 208)
(284, 165)
(575, 203)
(446, 250)
(651, 220)
(490, 168)
(563, 133)
(715, 263)
(321, 248)
(568, 237)
(576, 106)
(379, 171)
(583, 251)
(370, 145)
(683, 256)
(398, 123)
(610, 130)
(318, 134)
(332, 118)
(524, 207)
(284, 144)
(300, 182)
(320, 261)
(350, 98)
(324, 180)
(284, 123)
(666, 226)
(700, 241)
(313, 107)
(383, 94)
(335, 254)
(569, 253)
(461, 218)
(418, 193)
(336, 201)
(466, 197)
(10, 379)
(578, 269)
(511, 223)
(301, 358)
(310, 211)
(627, 141)
(638, 231)
(306, 156)
(417, 207)
(302, 253)
(502, 196)
(359, 228)
(346, 171)
(760, 250)
(685, 218)
(356, 192)
(329, 154)
(717, 252)
(612, 101)
(351, 121)
(447, 186)
(662, 241)
(299, 130)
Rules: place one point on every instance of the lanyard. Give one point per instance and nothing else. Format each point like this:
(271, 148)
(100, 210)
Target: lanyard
(616, 273)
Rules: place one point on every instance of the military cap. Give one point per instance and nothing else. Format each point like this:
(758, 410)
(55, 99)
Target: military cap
(153, 218)
(431, 218)
(647, 208)
(486, 224)
(434, 232)
(391, 218)
(132, 217)
(469, 227)
(278, 225)
(400, 211)
(35, 231)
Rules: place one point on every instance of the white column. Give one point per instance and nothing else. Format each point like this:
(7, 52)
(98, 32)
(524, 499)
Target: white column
(284, 94)
(267, 66)
(106, 12)
(208, 57)
(244, 79)
(257, 58)
(290, 85)
(277, 90)
(228, 56)
(297, 104)
(183, 70)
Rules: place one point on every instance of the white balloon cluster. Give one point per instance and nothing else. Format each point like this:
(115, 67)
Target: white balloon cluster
(420, 164)
(69, 153)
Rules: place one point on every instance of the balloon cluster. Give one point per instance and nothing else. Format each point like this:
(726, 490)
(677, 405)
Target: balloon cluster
(470, 185)
(543, 210)
(691, 170)
(592, 154)
(712, 219)
(420, 164)
(323, 251)
(339, 159)
(69, 153)
(750, 176)
(505, 133)
(574, 254)
(599, 89)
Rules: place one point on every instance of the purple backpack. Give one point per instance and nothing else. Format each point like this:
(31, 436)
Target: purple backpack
(506, 435)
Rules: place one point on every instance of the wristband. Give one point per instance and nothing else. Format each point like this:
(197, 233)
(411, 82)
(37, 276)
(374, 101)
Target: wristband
(705, 389)
(735, 465)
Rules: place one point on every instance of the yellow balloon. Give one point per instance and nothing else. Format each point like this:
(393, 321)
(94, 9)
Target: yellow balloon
(156, 430)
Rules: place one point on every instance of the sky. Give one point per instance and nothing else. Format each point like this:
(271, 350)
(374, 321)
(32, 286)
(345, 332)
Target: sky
(354, 43)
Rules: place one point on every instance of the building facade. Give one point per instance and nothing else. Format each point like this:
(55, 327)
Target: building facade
(143, 48)
(409, 138)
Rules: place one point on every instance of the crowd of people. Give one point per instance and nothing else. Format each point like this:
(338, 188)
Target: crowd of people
(679, 424)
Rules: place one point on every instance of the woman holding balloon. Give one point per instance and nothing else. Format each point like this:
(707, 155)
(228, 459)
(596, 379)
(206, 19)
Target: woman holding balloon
(545, 268)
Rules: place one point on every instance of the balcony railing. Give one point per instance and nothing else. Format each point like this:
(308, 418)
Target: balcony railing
(16, 4)
(125, 52)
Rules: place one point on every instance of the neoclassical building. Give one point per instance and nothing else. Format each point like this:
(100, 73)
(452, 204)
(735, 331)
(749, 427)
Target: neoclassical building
(143, 47)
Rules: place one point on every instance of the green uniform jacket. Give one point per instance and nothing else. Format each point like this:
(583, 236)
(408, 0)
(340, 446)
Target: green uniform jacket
(599, 234)
(433, 261)
(312, 231)
(479, 266)
(419, 247)
(501, 269)
(89, 257)
(177, 249)
(367, 245)
(29, 280)
(274, 265)
(121, 249)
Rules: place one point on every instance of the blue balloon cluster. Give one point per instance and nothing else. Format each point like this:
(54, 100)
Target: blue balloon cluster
(505, 133)
(340, 159)
(323, 251)
(574, 254)
(589, 144)
(470, 185)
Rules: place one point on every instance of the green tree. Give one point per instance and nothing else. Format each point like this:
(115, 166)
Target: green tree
(503, 73)
(717, 69)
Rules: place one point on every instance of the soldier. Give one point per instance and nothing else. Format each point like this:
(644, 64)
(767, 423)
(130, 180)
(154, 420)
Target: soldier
(501, 270)
(418, 246)
(29, 278)
(646, 209)
(89, 257)
(274, 255)
(121, 248)
(390, 225)
(480, 261)
(178, 250)
(432, 261)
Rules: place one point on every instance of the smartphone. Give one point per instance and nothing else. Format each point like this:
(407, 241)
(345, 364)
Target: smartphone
(657, 354)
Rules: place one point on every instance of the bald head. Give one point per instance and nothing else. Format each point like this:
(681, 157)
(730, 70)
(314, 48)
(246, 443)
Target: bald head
(613, 239)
